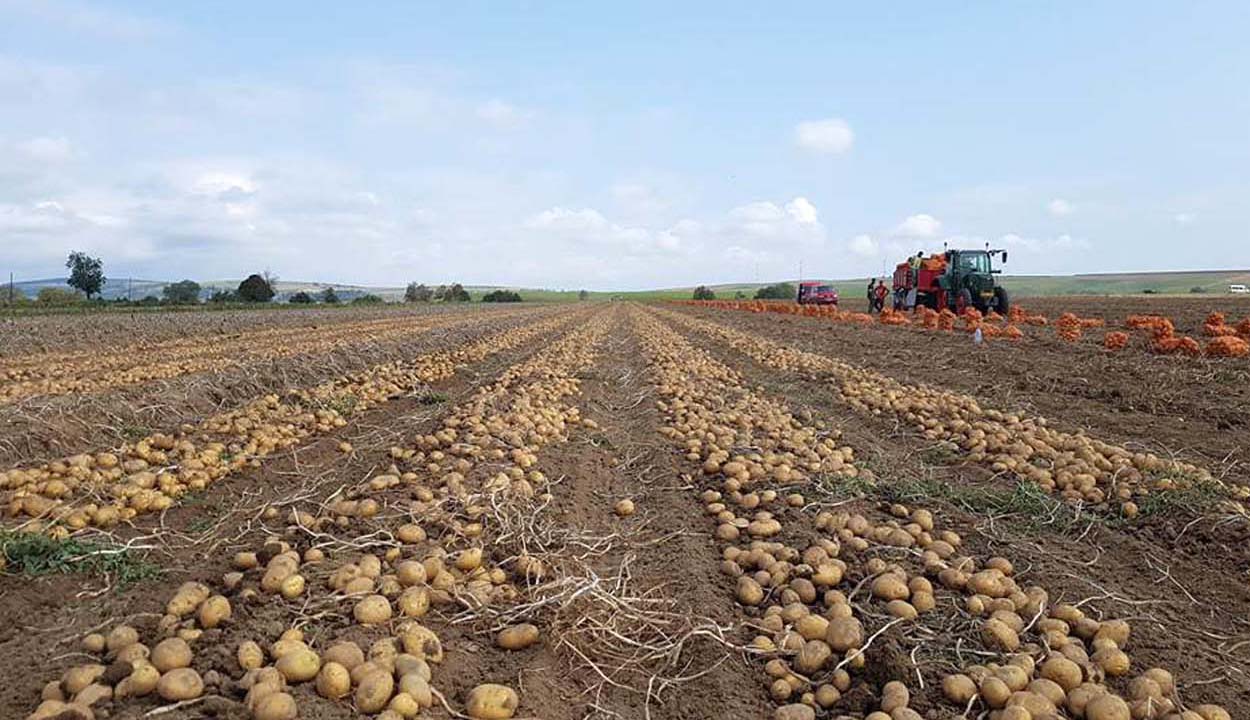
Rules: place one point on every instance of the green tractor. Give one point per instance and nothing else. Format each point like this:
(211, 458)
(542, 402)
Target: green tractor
(956, 280)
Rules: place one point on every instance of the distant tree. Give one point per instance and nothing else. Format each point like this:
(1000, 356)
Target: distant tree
(502, 296)
(220, 296)
(456, 293)
(583, 295)
(779, 291)
(703, 292)
(416, 292)
(1149, 291)
(367, 299)
(57, 297)
(1197, 290)
(148, 301)
(440, 292)
(255, 289)
(739, 295)
(329, 297)
(85, 273)
(186, 292)
(301, 298)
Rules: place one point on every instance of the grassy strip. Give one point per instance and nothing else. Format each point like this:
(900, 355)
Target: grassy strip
(35, 554)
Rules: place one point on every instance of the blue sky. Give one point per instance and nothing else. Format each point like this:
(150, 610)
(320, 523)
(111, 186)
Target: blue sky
(627, 146)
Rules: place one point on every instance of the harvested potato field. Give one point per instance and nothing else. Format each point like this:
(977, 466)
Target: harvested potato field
(622, 510)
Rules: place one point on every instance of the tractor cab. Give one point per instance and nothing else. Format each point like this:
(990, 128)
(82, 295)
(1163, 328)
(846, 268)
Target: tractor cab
(955, 280)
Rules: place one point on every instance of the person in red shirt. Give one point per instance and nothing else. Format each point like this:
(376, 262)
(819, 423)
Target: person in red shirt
(879, 295)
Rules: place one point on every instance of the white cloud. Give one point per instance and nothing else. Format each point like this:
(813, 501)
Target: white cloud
(803, 211)
(1059, 207)
(1042, 245)
(502, 114)
(560, 218)
(918, 226)
(89, 19)
(832, 136)
(1183, 218)
(46, 149)
(864, 246)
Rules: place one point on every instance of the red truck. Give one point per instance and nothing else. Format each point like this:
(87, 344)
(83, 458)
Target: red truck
(817, 293)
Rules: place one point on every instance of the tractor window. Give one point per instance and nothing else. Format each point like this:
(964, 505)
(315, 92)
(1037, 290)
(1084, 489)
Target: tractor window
(823, 289)
(974, 262)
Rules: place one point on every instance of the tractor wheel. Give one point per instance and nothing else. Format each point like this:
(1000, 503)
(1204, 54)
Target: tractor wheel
(963, 301)
(1002, 301)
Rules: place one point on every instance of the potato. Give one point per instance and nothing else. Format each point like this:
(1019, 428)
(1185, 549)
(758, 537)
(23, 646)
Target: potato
(995, 692)
(334, 681)
(292, 586)
(812, 656)
(624, 507)
(404, 705)
(492, 702)
(180, 684)
(141, 681)
(214, 611)
(410, 572)
(187, 598)
(374, 692)
(80, 676)
(171, 654)
(275, 706)
(1112, 660)
(406, 664)
(410, 533)
(249, 655)
(372, 610)
(890, 587)
(1208, 712)
(94, 643)
(893, 696)
(959, 689)
(470, 559)
(120, 637)
(418, 687)
(299, 665)
(999, 636)
(414, 602)
(845, 633)
(797, 711)
(345, 653)
(517, 637)
(92, 694)
(1107, 707)
(1062, 671)
(421, 642)
(749, 591)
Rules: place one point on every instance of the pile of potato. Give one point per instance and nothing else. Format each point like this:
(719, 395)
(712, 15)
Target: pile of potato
(1075, 466)
(151, 474)
(1054, 657)
(83, 372)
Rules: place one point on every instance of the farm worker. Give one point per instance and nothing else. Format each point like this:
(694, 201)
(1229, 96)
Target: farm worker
(914, 263)
(872, 294)
(881, 293)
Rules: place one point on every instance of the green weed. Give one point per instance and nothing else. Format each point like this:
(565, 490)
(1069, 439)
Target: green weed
(35, 554)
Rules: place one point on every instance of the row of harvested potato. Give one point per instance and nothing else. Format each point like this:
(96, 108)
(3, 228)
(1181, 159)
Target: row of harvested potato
(1075, 466)
(151, 474)
(796, 591)
(86, 372)
(387, 593)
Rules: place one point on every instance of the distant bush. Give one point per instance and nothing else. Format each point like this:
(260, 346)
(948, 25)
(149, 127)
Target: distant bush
(367, 299)
(416, 292)
(502, 296)
(223, 296)
(256, 288)
(57, 297)
(779, 291)
(703, 292)
(186, 292)
(1197, 289)
(1149, 291)
(301, 298)
(148, 301)
(452, 293)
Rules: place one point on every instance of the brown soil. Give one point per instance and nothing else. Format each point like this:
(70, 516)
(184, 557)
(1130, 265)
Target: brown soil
(1179, 578)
